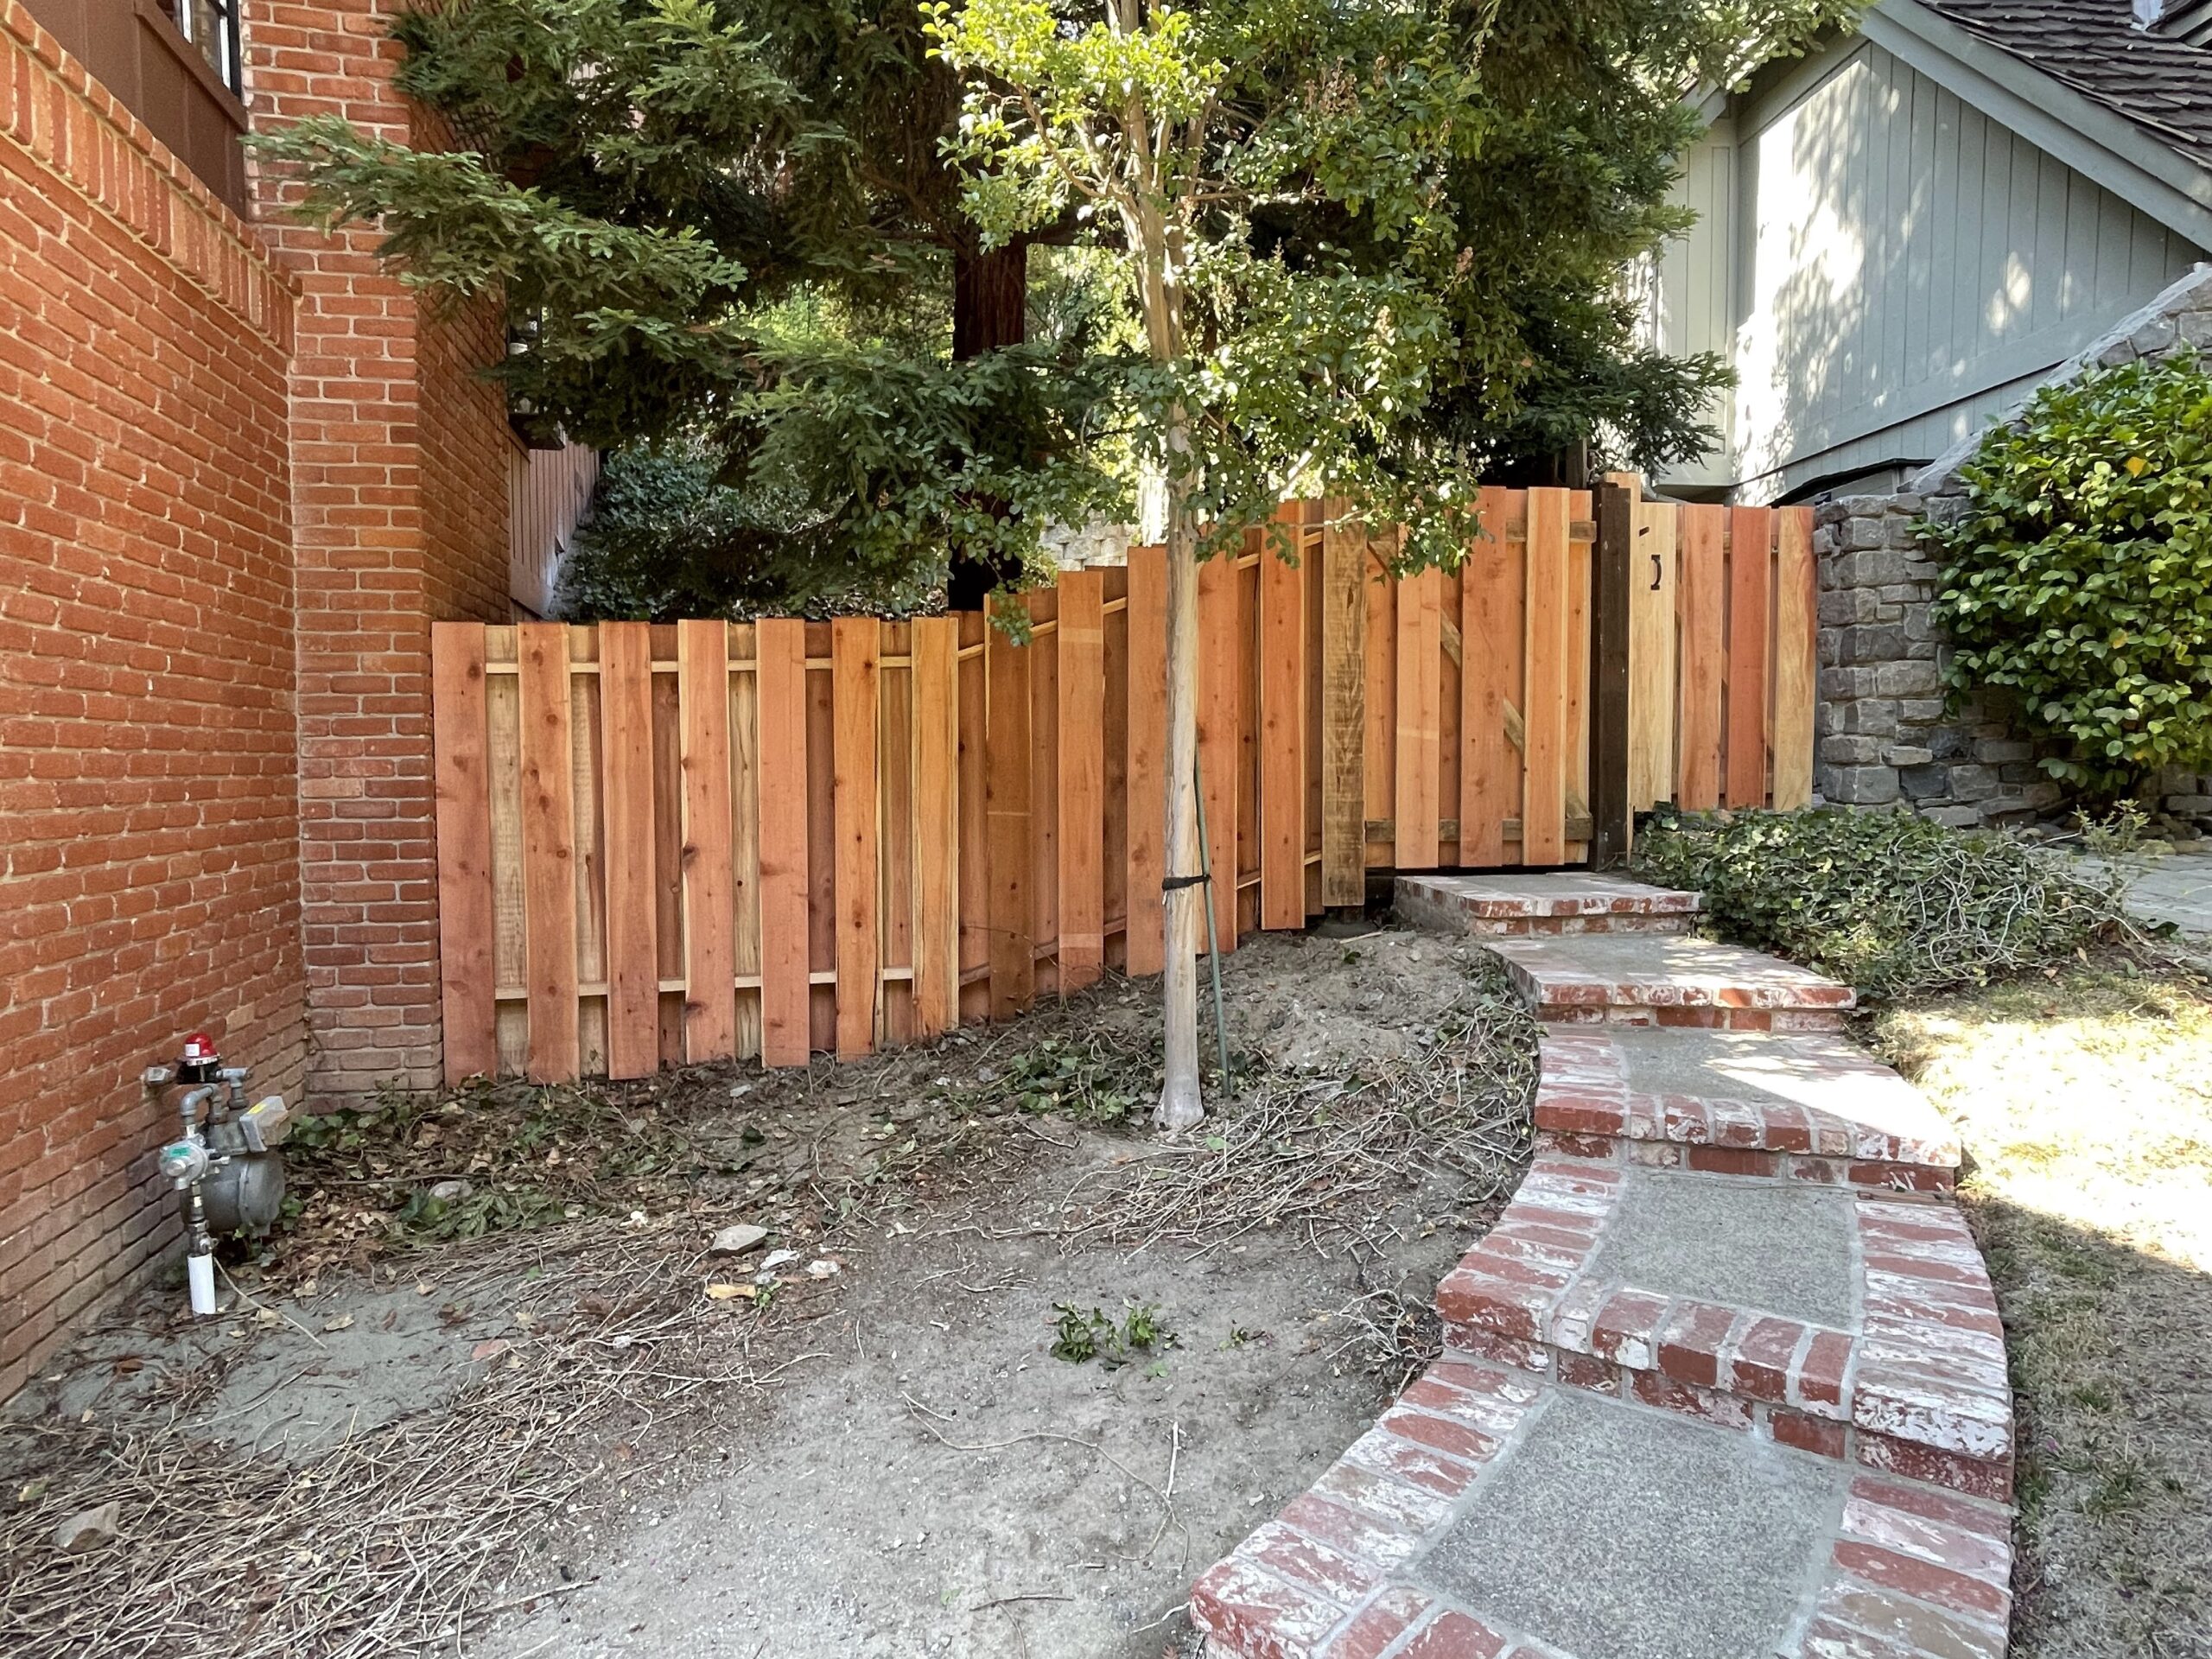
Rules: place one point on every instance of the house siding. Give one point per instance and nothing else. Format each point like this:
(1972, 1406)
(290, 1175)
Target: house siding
(1905, 269)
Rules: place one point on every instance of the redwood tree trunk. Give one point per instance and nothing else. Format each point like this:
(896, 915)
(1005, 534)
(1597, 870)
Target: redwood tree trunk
(990, 308)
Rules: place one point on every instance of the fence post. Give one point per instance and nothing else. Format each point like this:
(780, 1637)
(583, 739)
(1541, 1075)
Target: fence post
(1610, 574)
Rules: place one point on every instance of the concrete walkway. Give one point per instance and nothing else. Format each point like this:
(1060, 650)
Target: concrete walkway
(1726, 1381)
(2175, 888)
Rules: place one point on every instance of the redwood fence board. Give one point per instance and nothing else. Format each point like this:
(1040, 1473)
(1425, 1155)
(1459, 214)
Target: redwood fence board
(707, 840)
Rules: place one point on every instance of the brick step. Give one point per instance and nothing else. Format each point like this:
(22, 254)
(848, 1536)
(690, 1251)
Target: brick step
(1525, 905)
(1495, 1515)
(1801, 1106)
(1853, 1327)
(1646, 980)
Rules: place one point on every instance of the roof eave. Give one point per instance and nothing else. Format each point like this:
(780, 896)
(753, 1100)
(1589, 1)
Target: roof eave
(2096, 141)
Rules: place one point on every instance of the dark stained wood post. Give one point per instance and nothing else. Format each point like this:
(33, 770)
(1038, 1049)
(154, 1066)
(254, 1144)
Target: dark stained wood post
(1611, 572)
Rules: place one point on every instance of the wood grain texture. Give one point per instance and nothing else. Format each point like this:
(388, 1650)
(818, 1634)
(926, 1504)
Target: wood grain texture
(1704, 600)
(1006, 786)
(745, 832)
(460, 748)
(936, 829)
(853, 651)
(1750, 576)
(1344, 707)
(1545, 751)
(1796, 640)
(1492, 645)
(1651, 656)
(785, 1021)
(1220, 712)
(1082, 717)
(1417, 807)
(549, 853)
(1282, 742)
(710, 957)
(1147, 757)
(625, 714)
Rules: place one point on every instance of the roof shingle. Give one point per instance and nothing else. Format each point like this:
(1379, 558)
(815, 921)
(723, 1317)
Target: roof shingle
(2161, 84)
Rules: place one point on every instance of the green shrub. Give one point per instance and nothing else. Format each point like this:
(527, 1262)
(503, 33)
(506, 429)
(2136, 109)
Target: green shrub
(1889, 902)
(2080, 580)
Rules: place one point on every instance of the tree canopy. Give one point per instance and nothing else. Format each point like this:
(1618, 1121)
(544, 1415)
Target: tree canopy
(756, 232)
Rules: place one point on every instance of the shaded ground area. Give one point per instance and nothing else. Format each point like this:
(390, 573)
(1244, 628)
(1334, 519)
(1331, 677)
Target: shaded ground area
(496, 1375)
(2085, 1102)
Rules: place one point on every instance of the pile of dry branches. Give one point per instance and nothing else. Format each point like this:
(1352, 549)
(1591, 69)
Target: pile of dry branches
(1330, 1153)
(400, 1538)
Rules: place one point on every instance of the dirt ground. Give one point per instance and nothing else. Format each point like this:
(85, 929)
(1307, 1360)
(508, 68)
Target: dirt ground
(2085, 1104)
(494, 1393)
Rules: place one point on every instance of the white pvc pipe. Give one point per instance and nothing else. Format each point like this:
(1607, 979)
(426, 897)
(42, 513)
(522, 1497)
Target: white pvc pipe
(199, 1274)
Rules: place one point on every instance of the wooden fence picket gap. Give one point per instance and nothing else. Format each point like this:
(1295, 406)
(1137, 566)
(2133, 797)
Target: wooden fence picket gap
(704, 840)
(1702, 593)
(1148, 761)
(1005, 785)
(1344, 707)
(1082, 717)
(1545, 739)
(780, 648)
(709, 961)
(1795, 671)
(1750, 576)
(1282, 747)
(626, 702)
(936, 837)
(1420, 646)
(854, 649)
(462, 758)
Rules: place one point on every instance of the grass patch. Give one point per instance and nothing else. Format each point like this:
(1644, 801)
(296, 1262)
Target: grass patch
(2084, 1098)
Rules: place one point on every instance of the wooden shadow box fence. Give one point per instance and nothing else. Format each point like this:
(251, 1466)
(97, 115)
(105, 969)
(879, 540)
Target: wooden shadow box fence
(660, 844)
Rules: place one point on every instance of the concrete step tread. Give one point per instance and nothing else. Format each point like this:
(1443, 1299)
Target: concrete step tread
(1860, 1326)
(1787, 1094)
(1615, 969)
(1501, 897)
(1493, 1515)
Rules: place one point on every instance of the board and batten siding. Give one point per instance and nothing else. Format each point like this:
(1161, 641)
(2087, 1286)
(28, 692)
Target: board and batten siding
(1902, 269)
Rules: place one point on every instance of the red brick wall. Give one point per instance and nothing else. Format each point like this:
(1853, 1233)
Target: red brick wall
(149, 871)
(400, 504)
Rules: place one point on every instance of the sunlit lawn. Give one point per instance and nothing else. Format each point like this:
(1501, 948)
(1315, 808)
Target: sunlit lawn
(2086, 1105)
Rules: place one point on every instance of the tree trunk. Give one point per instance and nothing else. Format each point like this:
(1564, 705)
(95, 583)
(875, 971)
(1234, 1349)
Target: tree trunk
(990, 308)
(991, 299)
(1181, 1104)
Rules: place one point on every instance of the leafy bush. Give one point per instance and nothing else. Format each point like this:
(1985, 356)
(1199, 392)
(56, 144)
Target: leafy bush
(2080, 580)
(1890, 902)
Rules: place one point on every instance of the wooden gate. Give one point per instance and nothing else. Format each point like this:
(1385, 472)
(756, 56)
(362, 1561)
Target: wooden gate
(704, 840)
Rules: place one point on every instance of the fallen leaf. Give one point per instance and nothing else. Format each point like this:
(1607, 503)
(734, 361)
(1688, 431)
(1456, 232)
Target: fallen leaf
(343, 1322)
(490, 1349)
(725, 1293)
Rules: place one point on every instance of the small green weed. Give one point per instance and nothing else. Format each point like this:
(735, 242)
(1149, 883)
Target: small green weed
(1080, 1337)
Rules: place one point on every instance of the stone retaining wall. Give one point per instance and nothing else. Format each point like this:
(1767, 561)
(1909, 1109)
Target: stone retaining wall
(1886, 736)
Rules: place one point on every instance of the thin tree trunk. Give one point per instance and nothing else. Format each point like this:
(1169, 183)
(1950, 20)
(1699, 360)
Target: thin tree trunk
(1180, 1105)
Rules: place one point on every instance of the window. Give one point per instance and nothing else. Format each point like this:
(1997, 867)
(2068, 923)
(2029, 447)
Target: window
(212, 26)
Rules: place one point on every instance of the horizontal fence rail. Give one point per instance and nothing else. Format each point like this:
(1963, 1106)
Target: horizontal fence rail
(666, 843)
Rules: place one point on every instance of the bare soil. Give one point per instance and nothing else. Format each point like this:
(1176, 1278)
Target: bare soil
(533, 1414)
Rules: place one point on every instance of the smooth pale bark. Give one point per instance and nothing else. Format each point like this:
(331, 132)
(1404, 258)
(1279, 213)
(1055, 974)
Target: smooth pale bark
(1180, 1105)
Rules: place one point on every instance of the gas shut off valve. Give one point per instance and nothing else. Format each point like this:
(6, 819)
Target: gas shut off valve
(226, 1168)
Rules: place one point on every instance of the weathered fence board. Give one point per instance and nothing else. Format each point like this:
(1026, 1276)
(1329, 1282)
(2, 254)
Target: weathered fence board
(703, 840)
